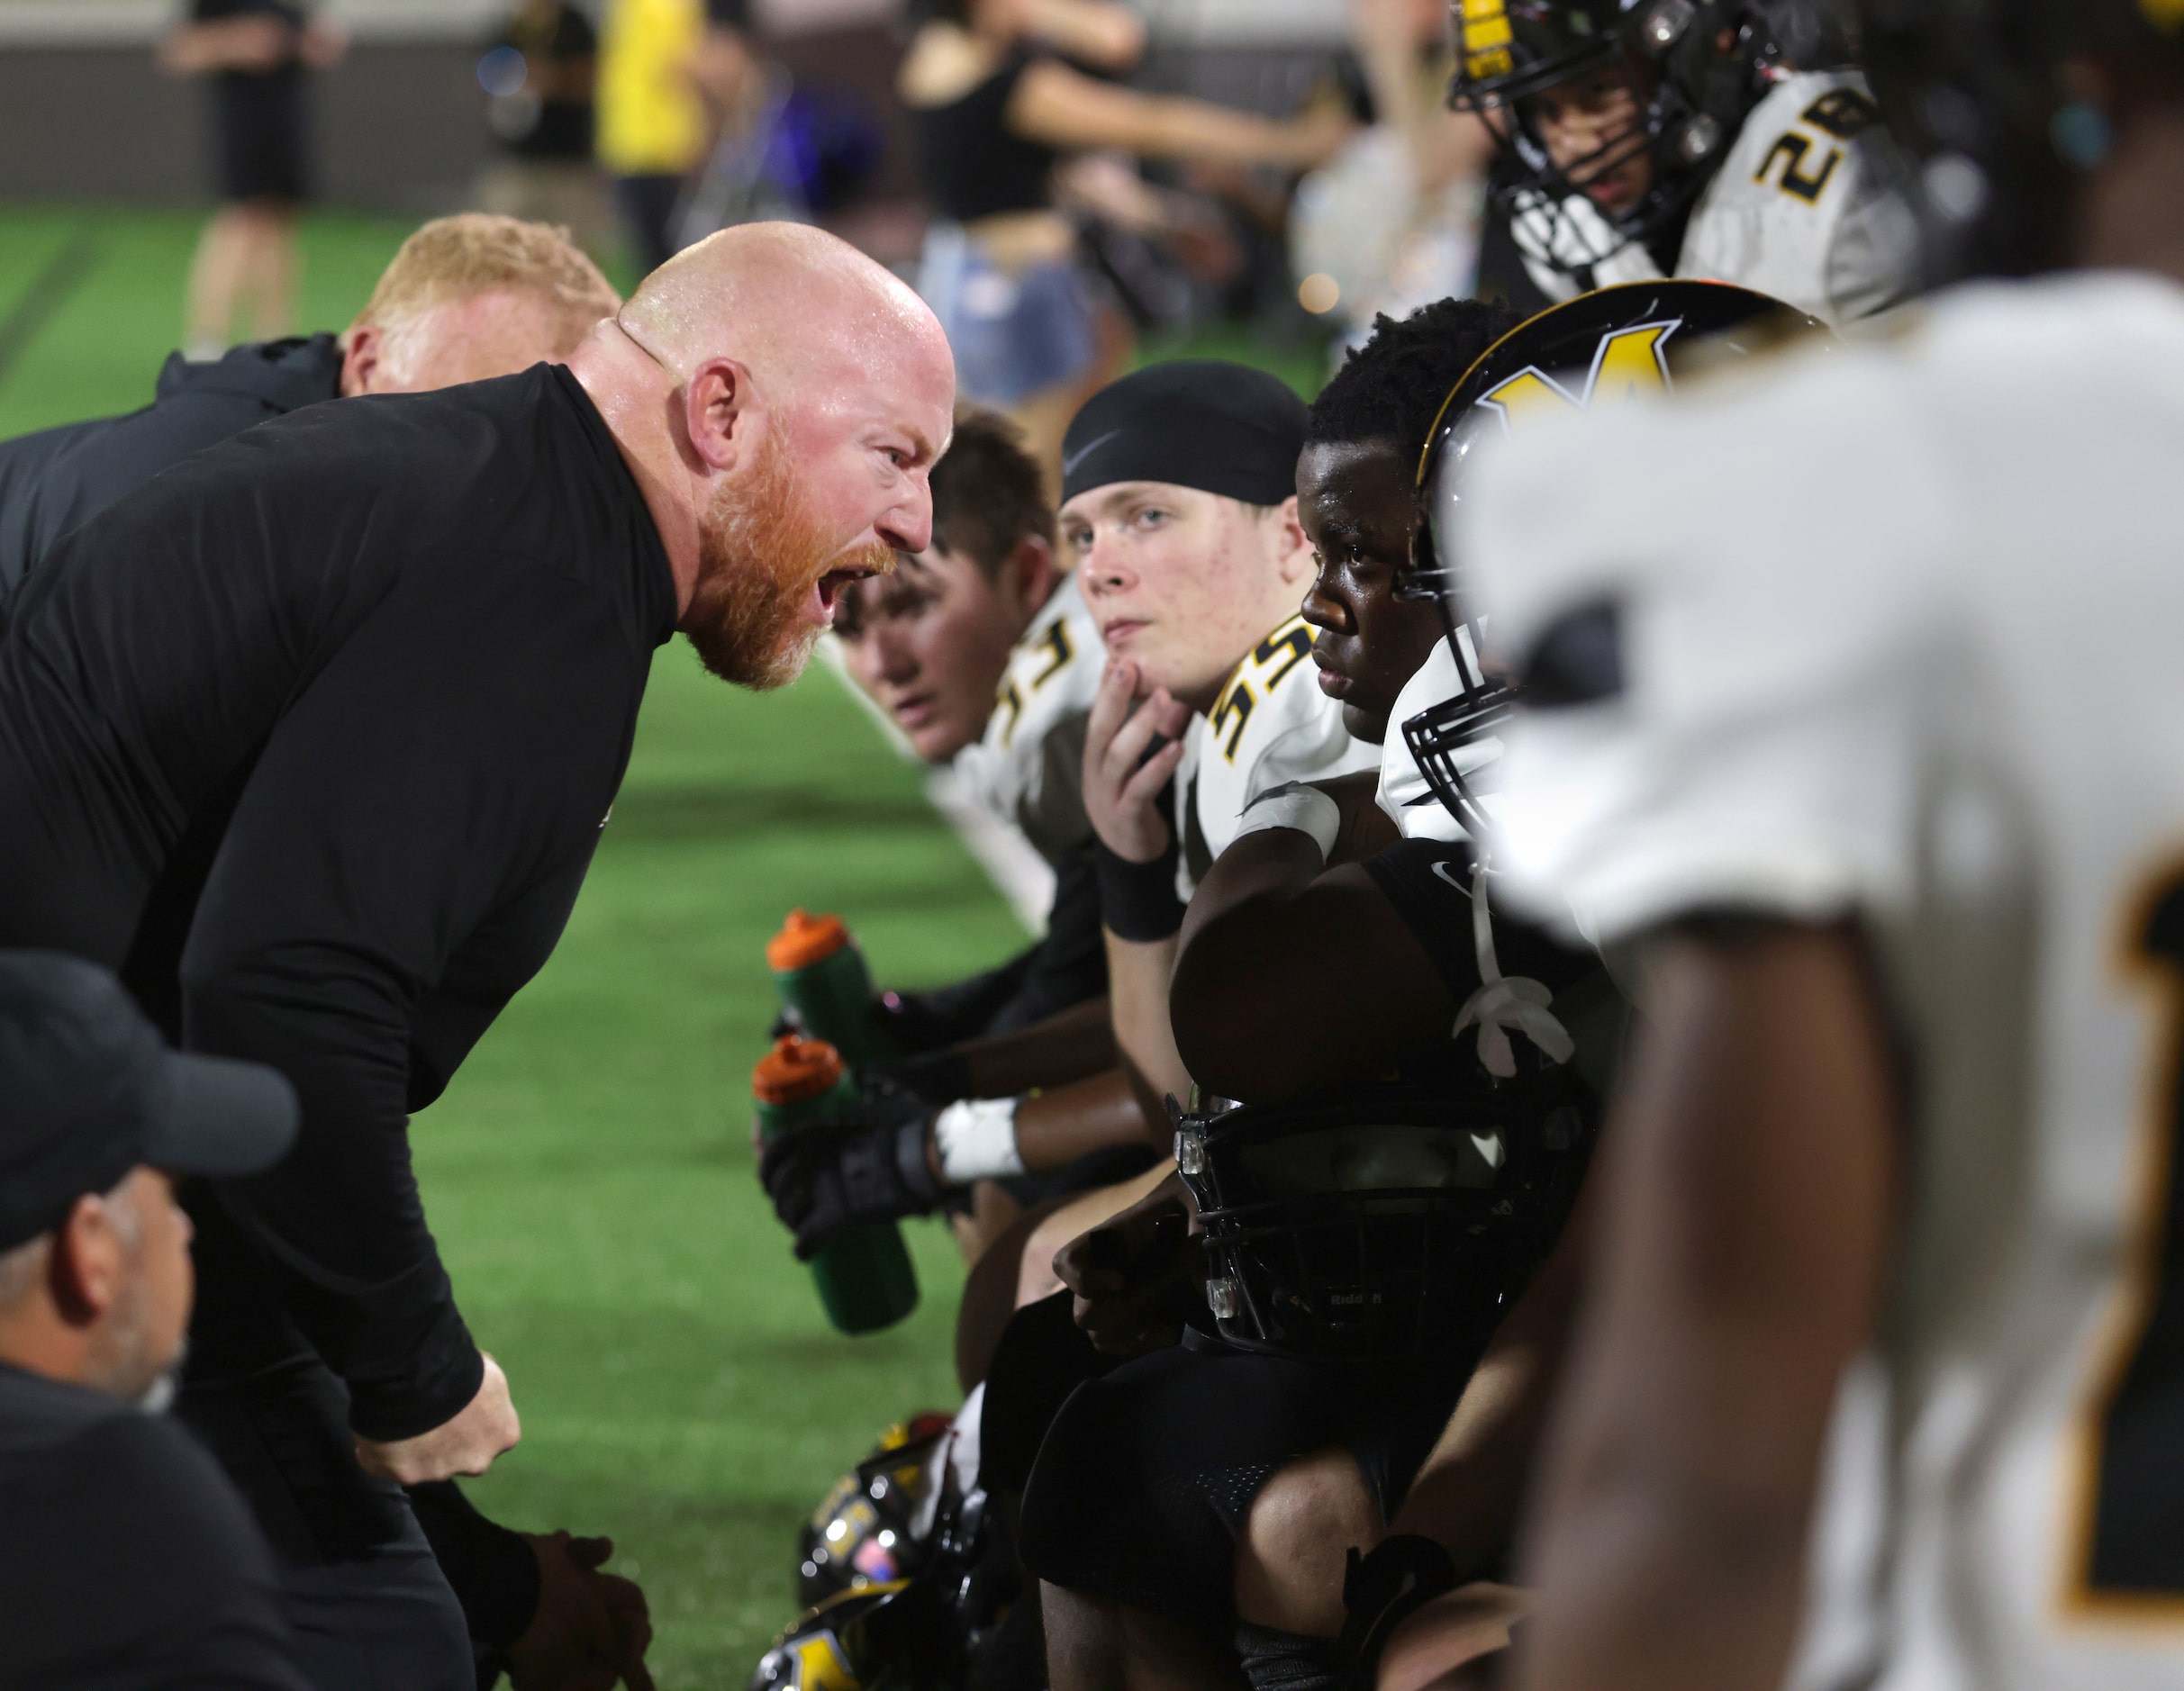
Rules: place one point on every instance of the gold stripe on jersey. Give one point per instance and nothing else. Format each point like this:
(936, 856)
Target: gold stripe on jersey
(1269, 664)
(1056, 642)
(2088, 1596)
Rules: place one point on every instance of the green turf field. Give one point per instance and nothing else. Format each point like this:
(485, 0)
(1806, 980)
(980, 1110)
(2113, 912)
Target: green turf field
(588, 1173)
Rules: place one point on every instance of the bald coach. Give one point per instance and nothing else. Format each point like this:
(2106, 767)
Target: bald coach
(313, 739)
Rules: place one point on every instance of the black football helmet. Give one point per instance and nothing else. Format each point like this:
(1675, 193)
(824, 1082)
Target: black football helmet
(1976, 90)
(907, 1581)
(1600, 349)
(1701, 67)
(1398, 1217)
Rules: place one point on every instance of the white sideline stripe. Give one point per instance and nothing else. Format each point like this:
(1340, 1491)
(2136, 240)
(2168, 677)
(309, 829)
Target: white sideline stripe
(1017, 872)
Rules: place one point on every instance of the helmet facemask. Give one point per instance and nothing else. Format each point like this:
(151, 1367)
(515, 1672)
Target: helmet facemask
(1441, 737)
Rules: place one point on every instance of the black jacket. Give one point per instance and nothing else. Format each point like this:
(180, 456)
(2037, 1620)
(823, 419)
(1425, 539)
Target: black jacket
(58, 479)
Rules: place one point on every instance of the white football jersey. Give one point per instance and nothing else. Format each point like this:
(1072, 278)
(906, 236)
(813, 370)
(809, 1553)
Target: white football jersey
(1804, 208)
(1898, 633)
(1270, 724)
(1030, 768)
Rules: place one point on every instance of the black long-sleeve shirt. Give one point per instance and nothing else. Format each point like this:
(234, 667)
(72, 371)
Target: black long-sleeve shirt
(127, 1560)
(58, 479)
(313, 737)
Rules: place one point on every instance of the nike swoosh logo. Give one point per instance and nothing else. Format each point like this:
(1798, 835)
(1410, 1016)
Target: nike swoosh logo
(1069, 463)
(1441, 869)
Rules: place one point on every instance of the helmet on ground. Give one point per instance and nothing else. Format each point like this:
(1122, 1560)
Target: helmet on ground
(893, 1636)
(1696, 68)
(1982, 92)
(1397, 1217)
(1600, 349)
(864, 1533)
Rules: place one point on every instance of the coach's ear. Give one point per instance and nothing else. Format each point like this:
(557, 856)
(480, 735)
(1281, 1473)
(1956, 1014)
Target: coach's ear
(721, 413)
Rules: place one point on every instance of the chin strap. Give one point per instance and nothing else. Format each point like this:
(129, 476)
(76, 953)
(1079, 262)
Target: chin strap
(1503, 1004)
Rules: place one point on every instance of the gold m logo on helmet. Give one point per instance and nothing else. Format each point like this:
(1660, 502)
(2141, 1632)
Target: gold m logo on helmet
(1482, 30)
(1633, 360)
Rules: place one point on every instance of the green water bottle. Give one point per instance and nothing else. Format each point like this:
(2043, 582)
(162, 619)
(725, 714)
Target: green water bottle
(864, 1278)
(821, 976)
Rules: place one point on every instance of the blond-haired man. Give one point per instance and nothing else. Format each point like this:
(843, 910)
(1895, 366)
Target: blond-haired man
(465, 298)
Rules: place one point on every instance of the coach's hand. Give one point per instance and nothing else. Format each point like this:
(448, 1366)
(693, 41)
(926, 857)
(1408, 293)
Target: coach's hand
(1123, 773)
(874, 1164)
(487, 1427)
(1135, 1279)
(592, 1629)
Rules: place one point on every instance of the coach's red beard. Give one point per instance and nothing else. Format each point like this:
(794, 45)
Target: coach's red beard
(756, 613)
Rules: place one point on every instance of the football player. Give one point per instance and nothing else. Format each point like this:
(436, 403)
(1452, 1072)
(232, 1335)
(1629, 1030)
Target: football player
(1179, 502)
(1890, 800)
(980, 650)
(1180, 511)
(1642, 138)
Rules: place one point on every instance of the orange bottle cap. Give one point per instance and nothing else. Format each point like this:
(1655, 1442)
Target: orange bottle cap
(795, 1068)
(805, 939)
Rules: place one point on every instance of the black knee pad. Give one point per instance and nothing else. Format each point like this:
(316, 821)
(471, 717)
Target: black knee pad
(1147, 1476)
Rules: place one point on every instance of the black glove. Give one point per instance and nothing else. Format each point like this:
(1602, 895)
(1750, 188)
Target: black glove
(843, 1171)
(938, 1077)
(1381, 1591)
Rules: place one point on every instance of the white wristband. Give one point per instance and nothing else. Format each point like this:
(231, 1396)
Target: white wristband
(977, 1138)
(1294, 805)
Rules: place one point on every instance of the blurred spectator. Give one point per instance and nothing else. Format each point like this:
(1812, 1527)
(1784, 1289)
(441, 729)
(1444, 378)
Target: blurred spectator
(1391, 224)
(128, 1561)
(258, 54)
(671, 72)
(994, 102)
(538, 74)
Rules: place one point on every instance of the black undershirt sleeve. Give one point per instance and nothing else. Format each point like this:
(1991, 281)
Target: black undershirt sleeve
(427, 780)
(494, 1574)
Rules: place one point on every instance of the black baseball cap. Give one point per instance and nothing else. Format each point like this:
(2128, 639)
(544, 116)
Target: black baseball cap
(1206, 423)
(88, 1091)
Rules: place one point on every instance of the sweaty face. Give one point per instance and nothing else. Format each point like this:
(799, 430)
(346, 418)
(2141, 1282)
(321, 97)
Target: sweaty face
(1359, 508)
(929, 644)
(1590, 128)
(1183, 582)
(769, 566)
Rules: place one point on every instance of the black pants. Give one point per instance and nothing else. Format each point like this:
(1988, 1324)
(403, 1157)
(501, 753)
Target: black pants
(368, 1604)
(1144, 1479)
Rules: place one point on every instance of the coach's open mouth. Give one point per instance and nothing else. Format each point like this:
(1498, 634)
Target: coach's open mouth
(833, 582)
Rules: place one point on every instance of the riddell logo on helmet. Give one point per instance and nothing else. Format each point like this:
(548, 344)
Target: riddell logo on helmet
(1630, 361)
(1484, 25)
